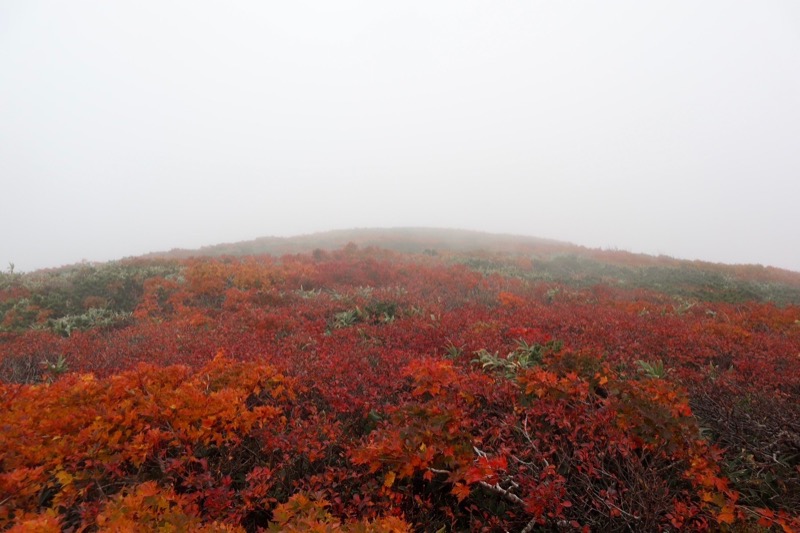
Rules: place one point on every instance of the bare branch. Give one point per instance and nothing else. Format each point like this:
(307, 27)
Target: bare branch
(497, 489)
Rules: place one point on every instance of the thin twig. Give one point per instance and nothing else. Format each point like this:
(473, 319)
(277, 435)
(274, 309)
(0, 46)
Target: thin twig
(529, 527)
(510, 496)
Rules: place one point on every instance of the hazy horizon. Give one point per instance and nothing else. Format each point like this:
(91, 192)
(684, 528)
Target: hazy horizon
(662, 127)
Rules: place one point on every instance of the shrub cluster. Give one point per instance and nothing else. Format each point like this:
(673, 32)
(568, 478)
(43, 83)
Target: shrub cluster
(365, 391)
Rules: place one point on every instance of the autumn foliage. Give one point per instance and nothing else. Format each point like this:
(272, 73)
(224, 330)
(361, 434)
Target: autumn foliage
(366, 390)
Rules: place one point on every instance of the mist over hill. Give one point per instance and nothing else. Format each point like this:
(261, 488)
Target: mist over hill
(547, 260)
(408, 239)
(533, 259)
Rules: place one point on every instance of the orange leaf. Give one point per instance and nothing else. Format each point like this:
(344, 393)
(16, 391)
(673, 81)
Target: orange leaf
(460, 491)
(726, 516)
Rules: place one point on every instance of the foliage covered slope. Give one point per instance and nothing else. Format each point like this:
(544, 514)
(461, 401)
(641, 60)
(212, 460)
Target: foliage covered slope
(368, 390)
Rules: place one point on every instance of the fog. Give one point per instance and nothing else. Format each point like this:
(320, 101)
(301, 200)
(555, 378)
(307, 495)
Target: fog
(659, 127)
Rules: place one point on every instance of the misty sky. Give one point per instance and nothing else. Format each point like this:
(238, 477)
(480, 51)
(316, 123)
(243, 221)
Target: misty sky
(660, 127)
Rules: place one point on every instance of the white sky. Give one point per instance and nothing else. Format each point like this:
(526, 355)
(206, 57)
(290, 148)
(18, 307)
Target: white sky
(653, 126)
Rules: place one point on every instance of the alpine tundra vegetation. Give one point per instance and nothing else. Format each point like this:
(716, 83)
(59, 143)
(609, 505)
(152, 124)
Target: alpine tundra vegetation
(359, 388)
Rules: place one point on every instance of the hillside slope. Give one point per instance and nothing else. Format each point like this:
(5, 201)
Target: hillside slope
(364, 389)
(411, 240)
(550, 260)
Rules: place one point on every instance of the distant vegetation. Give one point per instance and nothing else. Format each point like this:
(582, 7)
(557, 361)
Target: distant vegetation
(422, 386)
(549, 261)
(706, 282)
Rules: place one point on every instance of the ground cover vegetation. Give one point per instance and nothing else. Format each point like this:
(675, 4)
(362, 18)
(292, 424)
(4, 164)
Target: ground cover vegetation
(363, 389)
